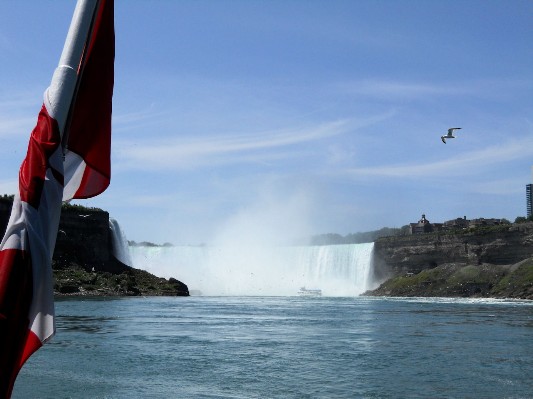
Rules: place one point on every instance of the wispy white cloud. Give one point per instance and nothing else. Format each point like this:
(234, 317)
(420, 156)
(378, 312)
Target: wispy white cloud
(14, 127)
(18, 113)
(9, 186)
(139, 120)
(153, 200)
(385, 88)
(511, 186)
(179, 153)
(11, 102)
(463, 164)
(5, 43)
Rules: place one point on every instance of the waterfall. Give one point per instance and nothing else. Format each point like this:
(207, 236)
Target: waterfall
(338, 270)
(119, 243)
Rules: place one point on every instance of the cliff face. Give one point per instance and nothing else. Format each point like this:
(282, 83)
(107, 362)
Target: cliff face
(461, 280)
(83, 261)
(504, 245)
(491, 262)
(84, 239)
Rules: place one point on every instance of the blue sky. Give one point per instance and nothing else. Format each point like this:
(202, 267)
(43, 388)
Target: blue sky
(280, 119)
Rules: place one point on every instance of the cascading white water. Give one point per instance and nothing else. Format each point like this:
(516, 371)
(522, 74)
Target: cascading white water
(119, 243)
(338, 270)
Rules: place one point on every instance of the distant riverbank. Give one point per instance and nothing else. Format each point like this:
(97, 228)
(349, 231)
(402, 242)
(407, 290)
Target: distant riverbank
(461, 280)
(494, 262)
(483, 262)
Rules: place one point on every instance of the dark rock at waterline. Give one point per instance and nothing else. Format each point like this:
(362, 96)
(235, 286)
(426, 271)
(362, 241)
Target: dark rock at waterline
(75, 280)
(485, 262)
(83, 261)
(461, 280)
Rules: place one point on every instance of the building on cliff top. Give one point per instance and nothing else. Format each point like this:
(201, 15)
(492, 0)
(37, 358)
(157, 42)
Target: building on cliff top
(486, 222)
(424, 226)
(459, 223)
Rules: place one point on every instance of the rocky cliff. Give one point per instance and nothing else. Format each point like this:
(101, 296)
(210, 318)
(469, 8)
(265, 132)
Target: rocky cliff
(475, 262)
(83, 262)
(498, 245)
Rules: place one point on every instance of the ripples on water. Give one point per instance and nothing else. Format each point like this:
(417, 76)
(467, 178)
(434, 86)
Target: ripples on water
(283, 347)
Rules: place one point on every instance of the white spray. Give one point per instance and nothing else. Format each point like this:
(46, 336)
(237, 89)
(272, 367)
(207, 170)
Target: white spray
(338, 270)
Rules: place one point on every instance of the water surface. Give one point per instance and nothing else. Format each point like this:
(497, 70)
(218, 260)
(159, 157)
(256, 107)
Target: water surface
(284, 347)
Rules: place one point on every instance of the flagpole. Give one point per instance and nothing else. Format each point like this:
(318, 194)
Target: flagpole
(62, 88)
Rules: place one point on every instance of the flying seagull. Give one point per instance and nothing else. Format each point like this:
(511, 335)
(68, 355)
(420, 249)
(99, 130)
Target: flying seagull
(449, 135)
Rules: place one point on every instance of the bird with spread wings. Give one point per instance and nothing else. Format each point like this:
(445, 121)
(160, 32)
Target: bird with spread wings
(449, 135)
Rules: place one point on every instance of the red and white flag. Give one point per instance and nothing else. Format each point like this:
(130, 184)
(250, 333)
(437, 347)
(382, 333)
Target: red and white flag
(68, 157)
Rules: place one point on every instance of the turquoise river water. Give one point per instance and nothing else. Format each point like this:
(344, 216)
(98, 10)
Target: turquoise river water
(284, 347)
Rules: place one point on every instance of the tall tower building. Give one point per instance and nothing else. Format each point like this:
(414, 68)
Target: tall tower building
(529, 199)
(529, 196)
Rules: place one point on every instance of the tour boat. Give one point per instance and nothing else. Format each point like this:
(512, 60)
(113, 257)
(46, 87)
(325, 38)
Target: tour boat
(309, 292)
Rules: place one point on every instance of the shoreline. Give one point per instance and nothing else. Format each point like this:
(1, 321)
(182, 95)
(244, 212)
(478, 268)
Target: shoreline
(459, 280)
(76, 281)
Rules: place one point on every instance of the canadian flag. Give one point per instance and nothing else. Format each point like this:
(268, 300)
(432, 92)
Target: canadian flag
(68, 157)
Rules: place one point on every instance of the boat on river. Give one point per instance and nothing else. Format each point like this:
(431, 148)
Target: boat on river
(309, 292)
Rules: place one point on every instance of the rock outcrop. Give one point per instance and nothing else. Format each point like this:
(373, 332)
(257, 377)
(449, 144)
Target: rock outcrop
(83, 261)
(499, 245)
(461, 280)
(484, 262)
(84, 239)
